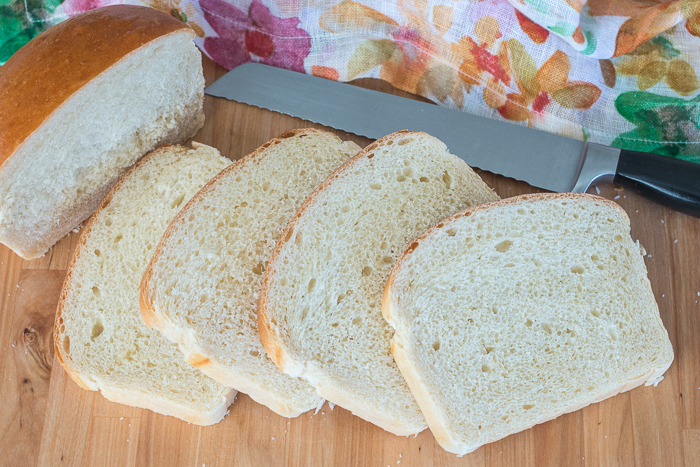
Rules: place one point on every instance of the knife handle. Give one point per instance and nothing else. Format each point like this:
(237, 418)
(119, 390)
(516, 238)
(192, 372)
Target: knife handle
(672, 182)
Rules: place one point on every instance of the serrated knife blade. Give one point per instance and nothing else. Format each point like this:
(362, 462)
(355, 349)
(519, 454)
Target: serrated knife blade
(541, 159)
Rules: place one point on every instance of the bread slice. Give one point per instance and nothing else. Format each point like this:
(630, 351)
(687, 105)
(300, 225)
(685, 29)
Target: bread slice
(99, 336)
(202, 285)
(320, 305)
(515, 312)
(79, 104)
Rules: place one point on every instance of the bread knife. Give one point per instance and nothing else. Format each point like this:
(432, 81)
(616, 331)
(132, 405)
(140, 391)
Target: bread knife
(542, 159)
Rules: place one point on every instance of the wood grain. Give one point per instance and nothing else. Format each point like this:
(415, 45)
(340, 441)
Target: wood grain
(45, 419)
(27, 362)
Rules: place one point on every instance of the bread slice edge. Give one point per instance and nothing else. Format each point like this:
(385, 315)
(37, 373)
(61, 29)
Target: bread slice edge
(269, 335)
(357, 407)
(157, 318)
(121, 395)
(209, 365)
(269, 332)
(401, 349)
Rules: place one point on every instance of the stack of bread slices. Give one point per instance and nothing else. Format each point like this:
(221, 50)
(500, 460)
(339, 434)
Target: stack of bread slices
(389, 280)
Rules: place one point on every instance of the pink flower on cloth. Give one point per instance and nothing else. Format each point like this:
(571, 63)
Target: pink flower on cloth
(258, 35)
(75, 7)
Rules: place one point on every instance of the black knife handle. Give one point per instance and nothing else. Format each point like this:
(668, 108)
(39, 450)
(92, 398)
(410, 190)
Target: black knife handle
(672, 182)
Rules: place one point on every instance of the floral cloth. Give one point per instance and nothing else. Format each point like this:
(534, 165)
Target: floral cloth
(617, 72)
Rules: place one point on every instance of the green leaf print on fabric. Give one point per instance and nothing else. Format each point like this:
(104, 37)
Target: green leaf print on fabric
(564, 29)
(665, 125)
(15, 30)
(592, 44)
(368, 55)
(14, 43)
(10, 26)
(540, 6)
(665, 48)
(20, 21)
(586, 133)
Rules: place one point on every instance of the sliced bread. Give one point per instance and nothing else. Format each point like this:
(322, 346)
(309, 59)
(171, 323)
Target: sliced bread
(202, 285)
(82, 102)
(512, 313)
(320, 305)
(100, 338)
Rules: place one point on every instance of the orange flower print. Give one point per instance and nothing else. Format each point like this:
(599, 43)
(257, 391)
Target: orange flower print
(540, 88)
(537, 33)
(408, 54)
(655, 61)
(325, 72)
(646, 18)
(414, 66)
(691, 12)
(484, 63)
(412, 58)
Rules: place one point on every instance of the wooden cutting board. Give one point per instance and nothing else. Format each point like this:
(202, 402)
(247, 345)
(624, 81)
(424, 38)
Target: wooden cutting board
(45, 419)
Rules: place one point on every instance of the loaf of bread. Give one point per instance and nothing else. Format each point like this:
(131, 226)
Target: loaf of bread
(202, 285)
(512, 313)
(82, 102)
(100, 338)
(320, 305)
